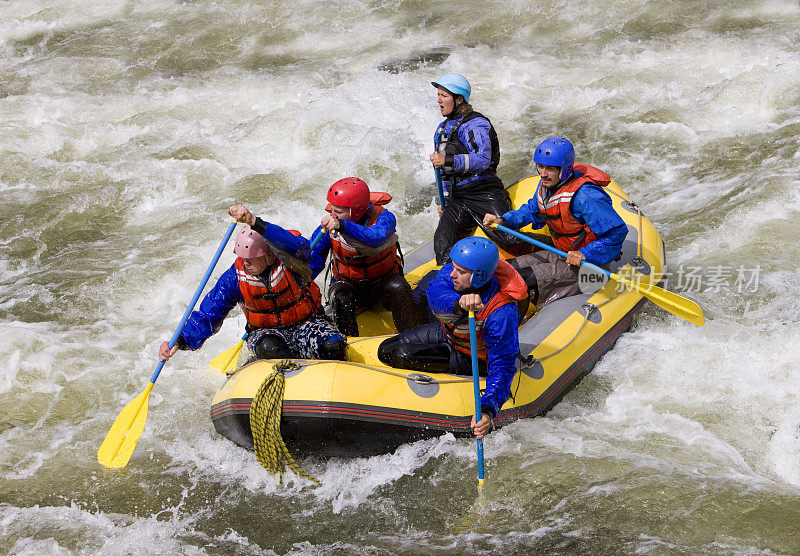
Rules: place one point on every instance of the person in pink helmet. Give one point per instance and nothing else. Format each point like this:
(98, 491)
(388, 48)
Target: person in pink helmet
(271, 280)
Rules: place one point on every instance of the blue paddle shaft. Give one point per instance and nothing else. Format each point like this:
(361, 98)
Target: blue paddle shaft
(473, 343)
(197, 293)
(316, 240)
(538, 243)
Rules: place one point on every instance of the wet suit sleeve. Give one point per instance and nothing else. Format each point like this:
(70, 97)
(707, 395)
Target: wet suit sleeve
(207, 319)
(442, 298)
(385, 225)
(592, 206)
(293, 245)
(502, 346)
(524, 215)
(474, 135)
(320, 253)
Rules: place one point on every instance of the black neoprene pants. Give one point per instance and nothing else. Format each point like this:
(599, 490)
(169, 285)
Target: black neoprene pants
(394, 293)
(464, 209)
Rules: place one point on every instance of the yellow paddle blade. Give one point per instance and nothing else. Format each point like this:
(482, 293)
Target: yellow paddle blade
(223, 361)
(121, 440)
(669, 301)
(232, 363)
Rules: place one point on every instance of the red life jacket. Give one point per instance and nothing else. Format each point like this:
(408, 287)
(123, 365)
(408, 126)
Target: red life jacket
(512, 290)
(354, 261)
(569, 234)
(279, 301)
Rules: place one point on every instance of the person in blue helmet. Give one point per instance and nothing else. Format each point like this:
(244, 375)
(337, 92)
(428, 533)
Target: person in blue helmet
(475, 279)
(466, 155)
(271, 281)
(571, 202)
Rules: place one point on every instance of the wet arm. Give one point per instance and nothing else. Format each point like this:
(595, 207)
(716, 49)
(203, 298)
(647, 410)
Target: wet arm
(385, 225)
(502, 345)
(295, 245)
(524, 215)
(442, 298)
(593, 206)
(207, 319)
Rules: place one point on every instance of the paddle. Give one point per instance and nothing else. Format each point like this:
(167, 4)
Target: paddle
(667, 300)
(316, 240)
(473, 345)
(121, 440)
(439, 186)
(228, 358)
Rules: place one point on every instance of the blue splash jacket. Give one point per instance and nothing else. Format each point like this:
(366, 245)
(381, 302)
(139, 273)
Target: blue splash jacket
(499, 333)
(225, 295)
(474, 135)
(385, 225)
(590, 205)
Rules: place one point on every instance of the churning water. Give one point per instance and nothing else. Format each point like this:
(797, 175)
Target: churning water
(127, 128)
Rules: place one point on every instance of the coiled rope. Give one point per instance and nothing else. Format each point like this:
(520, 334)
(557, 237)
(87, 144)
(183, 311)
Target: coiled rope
(265, 423)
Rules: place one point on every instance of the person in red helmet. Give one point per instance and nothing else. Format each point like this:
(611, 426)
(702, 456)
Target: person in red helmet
(366, 264)
(271, 280)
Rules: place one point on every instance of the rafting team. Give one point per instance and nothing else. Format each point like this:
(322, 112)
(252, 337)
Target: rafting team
(273, 275)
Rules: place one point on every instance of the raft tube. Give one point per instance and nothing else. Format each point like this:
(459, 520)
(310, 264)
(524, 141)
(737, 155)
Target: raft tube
(361, 407)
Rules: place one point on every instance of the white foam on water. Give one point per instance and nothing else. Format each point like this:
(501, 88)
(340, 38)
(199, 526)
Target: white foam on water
(67, 529)
(346, 484)
(700, 405)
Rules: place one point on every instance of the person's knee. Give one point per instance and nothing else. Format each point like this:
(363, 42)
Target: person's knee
(342, 294)
(343, 302)
(272, 346)
(386, 350)
(394, 353)
(333, 348)
(397, 285)
(397, 294)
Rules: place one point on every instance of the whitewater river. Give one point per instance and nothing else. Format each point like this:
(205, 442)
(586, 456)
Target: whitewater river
(127, 129)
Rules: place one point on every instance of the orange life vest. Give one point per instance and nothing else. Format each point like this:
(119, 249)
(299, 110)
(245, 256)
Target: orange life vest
(279, 300)
(569, 234)
(512, 290)
(354, 261)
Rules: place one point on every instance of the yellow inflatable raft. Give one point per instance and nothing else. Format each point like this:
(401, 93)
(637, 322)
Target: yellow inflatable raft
(361, 407)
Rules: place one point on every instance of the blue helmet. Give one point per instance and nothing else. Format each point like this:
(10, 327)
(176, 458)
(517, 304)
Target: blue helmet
(455, 83)
(556, 151)
(479, 255)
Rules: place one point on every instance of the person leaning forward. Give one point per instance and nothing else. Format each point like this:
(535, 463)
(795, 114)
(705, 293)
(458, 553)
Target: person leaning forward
(571, 202)
(467, 153)
(475, 280)
(271, 279)
(366, 264)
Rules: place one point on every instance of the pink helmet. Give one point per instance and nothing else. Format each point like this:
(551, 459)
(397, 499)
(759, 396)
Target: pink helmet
(250, 244)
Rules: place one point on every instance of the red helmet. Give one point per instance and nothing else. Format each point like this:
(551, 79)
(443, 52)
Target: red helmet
(352, 193)
(250, 244)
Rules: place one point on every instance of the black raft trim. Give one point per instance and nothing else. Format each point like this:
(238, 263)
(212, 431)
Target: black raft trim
(357, 412)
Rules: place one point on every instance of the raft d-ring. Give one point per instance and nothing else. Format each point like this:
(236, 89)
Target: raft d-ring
(592, 313)
(423, 386)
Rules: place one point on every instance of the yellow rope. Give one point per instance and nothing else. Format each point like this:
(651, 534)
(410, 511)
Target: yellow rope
(265, 424)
